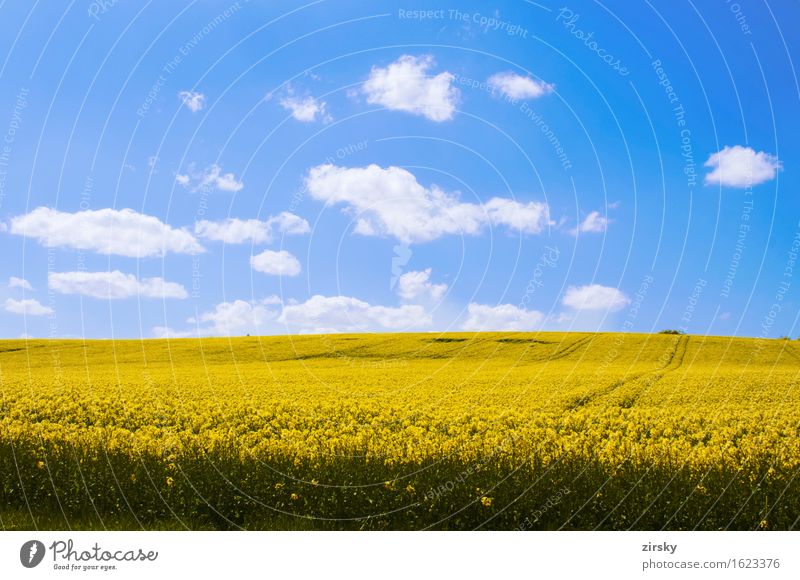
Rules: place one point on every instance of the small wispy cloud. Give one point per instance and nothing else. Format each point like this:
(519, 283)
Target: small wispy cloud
(516, 87)
(305, 109)
(194, 101)
(14, 282)
(594, 223)
(209, 179)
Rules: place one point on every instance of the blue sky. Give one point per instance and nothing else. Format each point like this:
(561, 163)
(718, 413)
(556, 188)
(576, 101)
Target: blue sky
(214, 168)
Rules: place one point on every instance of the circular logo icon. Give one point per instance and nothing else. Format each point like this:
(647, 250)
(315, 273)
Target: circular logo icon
(31, 553)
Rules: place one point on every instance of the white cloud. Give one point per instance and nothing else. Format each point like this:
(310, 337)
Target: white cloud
(193, 101)
(15, 282)
(237, 231)
(529, 218)
(27, 307)
(167, 332)
(515, 86)
(106, 231)
(501, 317)
(113, 285)
(319, 314)
(323, 314)
(237, 317)
(405, 85)
(595, 297)
(289, 224)
(391, 202)
(210, 179)
(306, 109)
(739, 166)
(234, 231)
(594, 223)
(417, 285)
(280, 263)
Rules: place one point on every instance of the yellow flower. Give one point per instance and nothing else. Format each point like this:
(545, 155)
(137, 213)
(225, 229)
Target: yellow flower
(486, 501)
(170, 481)
(40, 464)
(278, 486)
(410, 489)
(294, 497)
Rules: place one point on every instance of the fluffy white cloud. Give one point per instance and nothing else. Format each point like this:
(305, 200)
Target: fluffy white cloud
(594, 223)
(113, 285)
(391, 202)
(417, 285)
(595, 297)
(405, 85)
(529, 218)
(739, 166)
(237, 231)
(28, 307)
(515, 86)
(319, 314)
(210, 179)
(306, 109)
(280, 263)
(289, 224)
(15, 282)
(322, 314)
(501, 317)
(236, 318)
(193, 101)
(106, 231)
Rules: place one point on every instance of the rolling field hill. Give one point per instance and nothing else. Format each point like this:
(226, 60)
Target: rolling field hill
(401, 431)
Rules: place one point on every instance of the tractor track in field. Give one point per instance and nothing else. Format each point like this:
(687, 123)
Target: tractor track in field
(792, 350)
(568, 350)
(672, 363)
(351, 352)
(678, 354)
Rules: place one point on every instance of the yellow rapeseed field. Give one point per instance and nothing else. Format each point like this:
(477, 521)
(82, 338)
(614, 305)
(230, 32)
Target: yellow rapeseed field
(402, 431)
